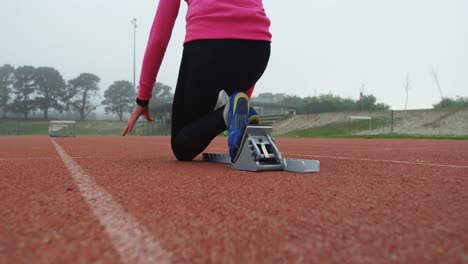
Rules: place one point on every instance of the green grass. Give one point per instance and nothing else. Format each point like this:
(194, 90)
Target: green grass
(106, 128)
(99, 128)
(83, 128)
(40, 127)
(347, 130)
(339, 129)
(14, 127)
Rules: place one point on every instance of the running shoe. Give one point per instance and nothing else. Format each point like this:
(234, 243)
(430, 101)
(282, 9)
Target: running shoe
(238, 119)
(254, 118)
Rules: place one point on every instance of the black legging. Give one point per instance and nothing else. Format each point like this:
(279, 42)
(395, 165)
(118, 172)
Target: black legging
(207, 67)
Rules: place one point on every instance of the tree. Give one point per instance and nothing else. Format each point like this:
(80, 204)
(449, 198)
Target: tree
(23, 87)
(50, 89)
(6, 81)
(370, 104)
(449, 102)
(80, 92)
(333, 103)
(294, 101)
(161, 105)
(119, 98)
(162, 93)
(361, 94)
(436, 79)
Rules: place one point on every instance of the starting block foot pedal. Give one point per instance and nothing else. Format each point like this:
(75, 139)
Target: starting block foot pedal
(258, 152)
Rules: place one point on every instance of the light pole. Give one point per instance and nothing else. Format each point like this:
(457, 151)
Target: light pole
(134, 23)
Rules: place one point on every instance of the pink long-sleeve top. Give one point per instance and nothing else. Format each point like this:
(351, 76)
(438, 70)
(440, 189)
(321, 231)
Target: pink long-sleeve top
(206, 19)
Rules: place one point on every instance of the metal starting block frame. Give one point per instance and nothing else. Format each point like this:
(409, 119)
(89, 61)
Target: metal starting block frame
(258, 152)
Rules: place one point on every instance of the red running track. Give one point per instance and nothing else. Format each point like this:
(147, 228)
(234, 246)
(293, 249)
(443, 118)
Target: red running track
(126, 200)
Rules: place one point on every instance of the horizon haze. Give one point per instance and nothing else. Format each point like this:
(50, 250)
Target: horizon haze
(318, 47)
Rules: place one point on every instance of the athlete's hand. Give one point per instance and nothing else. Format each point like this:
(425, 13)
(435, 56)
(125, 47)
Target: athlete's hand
(139, 111)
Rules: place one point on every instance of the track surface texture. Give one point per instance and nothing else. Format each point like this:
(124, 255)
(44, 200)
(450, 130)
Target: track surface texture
(127, 200)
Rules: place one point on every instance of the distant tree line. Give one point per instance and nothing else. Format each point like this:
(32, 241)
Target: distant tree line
(26, 89)
(333, 103)
(322, 103)
(450, 102)
(161, 103)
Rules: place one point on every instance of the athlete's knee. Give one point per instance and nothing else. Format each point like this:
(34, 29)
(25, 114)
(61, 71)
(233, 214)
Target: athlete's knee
(183, 149)
(182, 154)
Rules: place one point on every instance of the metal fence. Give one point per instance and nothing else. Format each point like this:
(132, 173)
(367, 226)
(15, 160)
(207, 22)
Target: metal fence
(155, 128)
(435, 122)
(10, 127)
(22, 128)
(453, 121)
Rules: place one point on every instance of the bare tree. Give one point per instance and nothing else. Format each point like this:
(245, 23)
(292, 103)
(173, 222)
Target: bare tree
(407, 87)
(361, 95)
(436, 78)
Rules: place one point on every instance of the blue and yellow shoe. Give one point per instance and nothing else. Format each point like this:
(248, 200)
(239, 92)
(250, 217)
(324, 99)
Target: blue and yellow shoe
(254, 118)
(237, 120)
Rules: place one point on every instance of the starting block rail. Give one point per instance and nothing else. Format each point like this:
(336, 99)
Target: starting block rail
(258, 152)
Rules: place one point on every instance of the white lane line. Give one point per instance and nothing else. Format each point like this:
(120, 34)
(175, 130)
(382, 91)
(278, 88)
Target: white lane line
(343, 147)
(420, 151)
(380, 160)
(364, 159)
(397, 149)
(132, 240)
(360, 159)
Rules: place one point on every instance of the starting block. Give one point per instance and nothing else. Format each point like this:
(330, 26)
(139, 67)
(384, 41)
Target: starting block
(258, 152)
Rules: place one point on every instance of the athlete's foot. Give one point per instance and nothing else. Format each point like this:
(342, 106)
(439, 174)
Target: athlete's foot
(254, 118)
(237, 120)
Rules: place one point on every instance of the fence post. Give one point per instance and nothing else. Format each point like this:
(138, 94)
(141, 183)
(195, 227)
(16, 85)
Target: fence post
(391, 121)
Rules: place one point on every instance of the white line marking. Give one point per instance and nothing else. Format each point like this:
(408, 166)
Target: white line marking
(378, 160)
(344, 147)
(132, 241)
(399, 149)
(360, 159)
(364, 159)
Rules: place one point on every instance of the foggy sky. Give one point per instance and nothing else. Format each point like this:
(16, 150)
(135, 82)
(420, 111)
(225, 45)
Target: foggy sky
(318, 47)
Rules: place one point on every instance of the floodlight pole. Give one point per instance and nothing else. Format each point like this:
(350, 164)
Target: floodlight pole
(134, 23)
